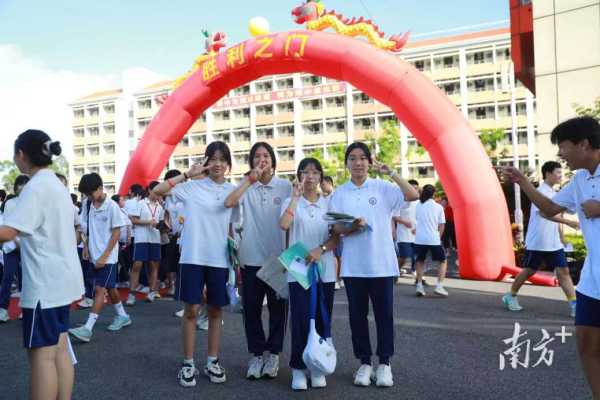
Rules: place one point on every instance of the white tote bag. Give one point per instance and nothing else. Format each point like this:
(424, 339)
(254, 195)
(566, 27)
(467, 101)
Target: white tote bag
(319, 354)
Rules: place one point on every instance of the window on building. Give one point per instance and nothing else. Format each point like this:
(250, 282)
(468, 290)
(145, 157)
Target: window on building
(286, 83)
(362, 98)
(313, 104)
(264, 133)
(364, 123)
(287, 107)
(222, 136)
(242, 136)
(78, 151)
(420, 65)
(311, 80)
(450, 61)
(78, 132)
(93, 169)
(93, 111)
(336, 126)
(109, 109)
(93, 150)
(182, 163)
(78, 113)
(144, 104)
(78, 171)
(266, 109)
(109, 148)
(241, 158)
(185, 141)
(143, 123)
(241, 113)
(198, 140)
(109, 169)
(221, 115)
(109, 129)
(93, 131)
(264, 86)
(315, 128)
(285, 154)
(285, 131)
(335, 102)
(242, 90)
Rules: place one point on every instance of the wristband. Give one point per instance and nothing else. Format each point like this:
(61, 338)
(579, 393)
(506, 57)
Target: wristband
(252, 179)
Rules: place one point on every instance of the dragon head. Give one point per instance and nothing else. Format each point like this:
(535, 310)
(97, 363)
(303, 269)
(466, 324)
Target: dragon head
(215, 42)
(309, 11)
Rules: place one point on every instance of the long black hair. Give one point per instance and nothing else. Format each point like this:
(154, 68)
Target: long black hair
(305, 163)
(267, 147)
(218, 146)
(427, 193)
(38, 147)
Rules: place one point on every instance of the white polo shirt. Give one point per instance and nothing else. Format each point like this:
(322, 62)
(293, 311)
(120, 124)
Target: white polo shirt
(102, 220)
(309, 227)
(207, 222)
(131, 207)
(542, 234)
(369, 254)
(147, 211)
(51, 269)
(10, 205)
(429, 216)
(175, 210)
(128, 226)
(409, 212)
(261, 235)
(582, 187)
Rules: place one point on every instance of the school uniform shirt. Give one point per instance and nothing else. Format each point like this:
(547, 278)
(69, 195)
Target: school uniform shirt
(102, 221)
(131, 207)
(542, 234)
(51, 271)
(10, 205)
(582, 187)
(261, 235)
(175, 210)
(76, 215)
(204, 241)
(369, 254)
(147, 211)
(125, 228)
(309, 227)
(429, 216)
(409, 212)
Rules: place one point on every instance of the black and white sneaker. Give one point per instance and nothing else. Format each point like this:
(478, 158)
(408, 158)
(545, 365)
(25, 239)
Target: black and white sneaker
(187, 375)
(215, 372)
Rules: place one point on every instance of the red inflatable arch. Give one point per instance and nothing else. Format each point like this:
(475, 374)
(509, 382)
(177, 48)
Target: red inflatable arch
(482, 221)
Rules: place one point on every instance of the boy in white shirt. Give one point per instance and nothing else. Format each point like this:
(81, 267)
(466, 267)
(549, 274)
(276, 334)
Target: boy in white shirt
(543, 244)
(103, 226)
(406, 224)
(578, 142)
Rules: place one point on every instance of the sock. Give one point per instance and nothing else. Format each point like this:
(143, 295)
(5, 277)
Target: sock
(120, 310)
(189, 362)
(439, 284)
(91, 321)
(209, 360)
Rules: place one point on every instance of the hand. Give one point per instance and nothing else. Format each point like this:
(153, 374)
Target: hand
(258, 170)
(298, 190)
(154, 223)
(314, 255)
(381, 168)
(407, 224)
(573, 224)
(198, 169)
(414, 231)
(100, 263)
(591, 208)
(85, 254)
(359, 224)
(513, 175)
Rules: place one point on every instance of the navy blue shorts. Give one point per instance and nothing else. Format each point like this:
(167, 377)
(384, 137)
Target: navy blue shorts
(437, 252)
(405, 249)
(339, 249)
(588, 311)
(42, 328)
(534, 259)
(146, 252)
(106, 277)
(192, 279)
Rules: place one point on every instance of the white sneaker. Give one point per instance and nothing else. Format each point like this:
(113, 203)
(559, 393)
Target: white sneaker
(86, 303)
(15, 295)
(420, 290)
(187, 375)
(317, 380)
(337, 286)
(162, 285)
(511, 302)
(342, 283)
(179, 314)
(271, 367)
(4, 315)
(130, 300)
(202, 323)
(215, 372)
(299, 380)
(255, 367)
(383, 376)
(440, 291)
(171, 291)
(151, 297)
(144, 290)
(363, 375)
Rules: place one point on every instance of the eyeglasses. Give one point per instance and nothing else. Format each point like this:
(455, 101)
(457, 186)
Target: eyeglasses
(310, 173)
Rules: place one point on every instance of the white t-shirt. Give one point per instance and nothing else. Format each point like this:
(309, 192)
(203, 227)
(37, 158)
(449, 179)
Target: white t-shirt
(409, 212)
(10, 205)
(429, 215)
(147, 211)
(542, 234)
(102, 221)
(131, 207)
(309, 227)
(261, 236)
(127, 227)
(51, 269)
(369, 254)
(582, 187)
(207, 222)
(175, 210)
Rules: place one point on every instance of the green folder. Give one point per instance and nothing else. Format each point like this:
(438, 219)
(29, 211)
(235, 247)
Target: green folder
(294, 261)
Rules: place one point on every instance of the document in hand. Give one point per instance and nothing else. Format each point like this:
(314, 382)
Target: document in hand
(294, 260)
(344, 219)
(274, 274)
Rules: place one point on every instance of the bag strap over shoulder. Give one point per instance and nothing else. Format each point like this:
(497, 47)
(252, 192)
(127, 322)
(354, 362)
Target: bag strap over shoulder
(315, 288)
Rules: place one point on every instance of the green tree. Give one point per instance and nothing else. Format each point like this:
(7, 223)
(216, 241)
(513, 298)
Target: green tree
(385, 146)
(592, 111)
(9, 171)
(334, 165)
(491, 138)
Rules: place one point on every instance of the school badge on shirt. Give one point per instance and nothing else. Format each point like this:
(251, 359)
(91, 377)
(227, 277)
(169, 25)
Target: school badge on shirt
(372, 201)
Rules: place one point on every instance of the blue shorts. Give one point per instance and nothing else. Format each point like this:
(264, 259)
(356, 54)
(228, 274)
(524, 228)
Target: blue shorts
(437, 252)
(106, 277)
(42, 328)
(588, 311)
(405, 250)
(146, 252)
(339, 249)
(534, 259)
(192, 279)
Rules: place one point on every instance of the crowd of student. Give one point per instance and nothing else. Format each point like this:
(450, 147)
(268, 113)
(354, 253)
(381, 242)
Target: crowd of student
(174, 236)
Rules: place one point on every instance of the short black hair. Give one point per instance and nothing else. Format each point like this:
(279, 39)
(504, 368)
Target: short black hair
(151, 186)
(358, 145)
(329, 179)
(10, 196)
(413, 182)
(38, 147)
(20, 180)
(218, 146)
(577, 129)
(267, 147)
(427, 193)
(549, 167)
(115, 198)
(172, 173)
(60, 176)
(89, 183)
(305, 163)
(74, 198)
(2, 195)
(137, 190)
